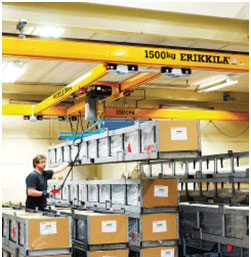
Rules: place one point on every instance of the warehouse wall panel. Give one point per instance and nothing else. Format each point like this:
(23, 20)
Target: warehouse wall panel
(21, 141)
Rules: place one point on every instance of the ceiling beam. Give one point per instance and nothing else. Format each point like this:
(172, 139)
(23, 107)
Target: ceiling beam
(139, 113)
(122, 54)
(27, 110)
(82, 82)
(82, 17)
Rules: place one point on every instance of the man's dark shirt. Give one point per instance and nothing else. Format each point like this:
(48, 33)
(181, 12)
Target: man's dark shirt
(38, 182)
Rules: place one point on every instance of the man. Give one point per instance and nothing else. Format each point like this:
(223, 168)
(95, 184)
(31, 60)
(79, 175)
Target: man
(36, 182)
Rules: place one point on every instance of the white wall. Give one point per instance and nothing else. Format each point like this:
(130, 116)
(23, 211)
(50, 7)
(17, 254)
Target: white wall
(21, 141)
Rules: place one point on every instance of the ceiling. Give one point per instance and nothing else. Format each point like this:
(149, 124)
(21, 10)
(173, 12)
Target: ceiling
(59, 73)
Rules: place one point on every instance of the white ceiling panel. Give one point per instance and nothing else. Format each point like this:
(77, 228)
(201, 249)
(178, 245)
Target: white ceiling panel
(144, 40)
(34, 69)
(174, 42)
(207, 45)
(115, 77)
(109, 37)
(67, 72)
(237, 48)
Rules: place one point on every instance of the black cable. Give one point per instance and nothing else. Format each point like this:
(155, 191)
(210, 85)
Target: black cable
(227, 134)
(78, 144)
(81, 121)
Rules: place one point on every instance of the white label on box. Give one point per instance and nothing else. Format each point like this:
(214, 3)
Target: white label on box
(160, 191)
(109, 226)
(178, 133)
(159, 226)
(47, 228)
(167, 253)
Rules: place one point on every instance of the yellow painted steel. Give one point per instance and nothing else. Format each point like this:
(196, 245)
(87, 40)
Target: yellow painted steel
(26, 110)
(85, 80)
(79, 107)
(176, 114)
(132, 83)
(122, 54)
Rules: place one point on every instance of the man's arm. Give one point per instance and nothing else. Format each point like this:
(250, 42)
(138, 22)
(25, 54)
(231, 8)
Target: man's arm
(35, 193)
(60, 168)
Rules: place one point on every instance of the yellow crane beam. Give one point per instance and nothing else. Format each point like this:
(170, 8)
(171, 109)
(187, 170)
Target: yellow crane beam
(141, 113)
(82, 82)
(126, 113)
(26, 110)
(122, 54)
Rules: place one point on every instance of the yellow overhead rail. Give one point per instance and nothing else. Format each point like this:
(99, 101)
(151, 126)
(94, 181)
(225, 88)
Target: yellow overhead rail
(138, 113)
(141, 113)
(26, 110)
(85, 80)
(122, 54)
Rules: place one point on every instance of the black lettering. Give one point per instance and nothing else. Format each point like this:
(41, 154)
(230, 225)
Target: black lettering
(146, 52)
(151, 54)
(183, 57)
(157, 54)
(189, 57)
(201, 58)
(163, 55)
(225, 60)
(208, 58)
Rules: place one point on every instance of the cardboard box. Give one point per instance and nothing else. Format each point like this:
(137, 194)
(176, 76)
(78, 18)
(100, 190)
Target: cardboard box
(159, 192)
(167, 251)
(159, 226)
(111, 253)
(104, 228)
(37, 232)
(179, 135)
(46, 233)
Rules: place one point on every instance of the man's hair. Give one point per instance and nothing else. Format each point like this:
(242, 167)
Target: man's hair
(37, 158)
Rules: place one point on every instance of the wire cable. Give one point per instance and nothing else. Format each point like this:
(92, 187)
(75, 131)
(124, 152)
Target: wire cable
(227, 134)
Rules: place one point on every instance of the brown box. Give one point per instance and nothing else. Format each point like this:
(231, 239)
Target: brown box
(47, 233)
(178, 135)
(159, 192)
(159, 226)
(104, 228)
(166, 251)
(111, 253)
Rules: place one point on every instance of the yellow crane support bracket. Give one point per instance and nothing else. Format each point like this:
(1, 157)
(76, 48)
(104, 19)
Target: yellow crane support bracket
(123, 54)
(175, 114)
(26, 110)
(85, 80)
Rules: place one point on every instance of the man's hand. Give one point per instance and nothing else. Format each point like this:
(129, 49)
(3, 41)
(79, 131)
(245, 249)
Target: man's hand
(46, 194)
(70, 163)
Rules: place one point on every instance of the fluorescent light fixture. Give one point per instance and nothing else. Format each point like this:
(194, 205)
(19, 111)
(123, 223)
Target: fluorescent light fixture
(12, 71)
(54, 32)
(212, 82)
(228, 82)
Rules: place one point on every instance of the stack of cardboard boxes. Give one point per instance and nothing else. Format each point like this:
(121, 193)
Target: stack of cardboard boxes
(154, 231)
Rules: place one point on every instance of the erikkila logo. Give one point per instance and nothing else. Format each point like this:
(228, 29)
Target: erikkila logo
(205, 58)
